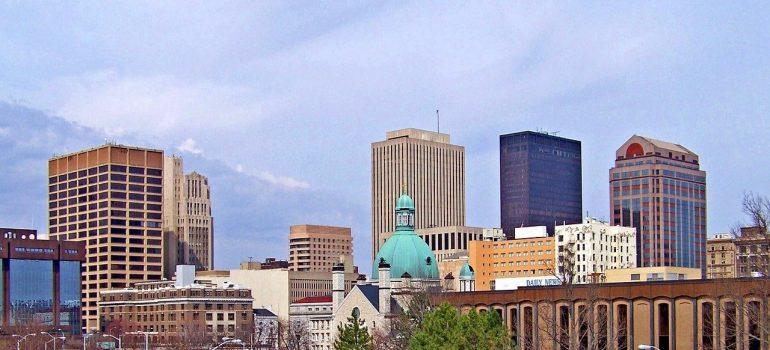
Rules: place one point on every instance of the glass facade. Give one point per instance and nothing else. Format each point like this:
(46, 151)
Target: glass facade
(69, 294)
(540, 181)
(31, 292)
(663, 195)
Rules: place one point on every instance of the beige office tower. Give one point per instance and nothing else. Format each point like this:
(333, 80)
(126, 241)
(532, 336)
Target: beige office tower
(318, 248)
(426, 165)
(111, 198)
(187, 222)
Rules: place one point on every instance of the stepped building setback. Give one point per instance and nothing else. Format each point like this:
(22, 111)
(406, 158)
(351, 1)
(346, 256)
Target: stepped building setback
(188, 225)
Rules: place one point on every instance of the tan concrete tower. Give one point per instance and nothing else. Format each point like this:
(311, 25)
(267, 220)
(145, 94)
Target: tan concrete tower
(111, 198)
(187, 221)
(432, 170)
(319, 248)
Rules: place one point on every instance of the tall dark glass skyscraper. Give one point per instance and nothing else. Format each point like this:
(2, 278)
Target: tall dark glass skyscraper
(540, 181)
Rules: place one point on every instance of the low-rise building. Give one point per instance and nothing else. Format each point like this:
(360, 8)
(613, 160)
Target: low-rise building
(655, 273)
(694, 314)
(720, 257)
(526, 257)
(752, 253)
(268, 264)
(315, 314)
(40, 282)
(179, 308)
(591, 247)
(449, 241)
(275, 289)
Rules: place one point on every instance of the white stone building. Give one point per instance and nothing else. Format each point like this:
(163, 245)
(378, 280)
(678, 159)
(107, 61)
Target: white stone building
(589, 248)
(314, 313)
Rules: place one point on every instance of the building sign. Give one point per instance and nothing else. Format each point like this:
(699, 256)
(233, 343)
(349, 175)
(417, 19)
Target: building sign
(517, 282)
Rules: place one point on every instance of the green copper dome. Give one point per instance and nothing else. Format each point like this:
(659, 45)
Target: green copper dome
(404, 202)
(405, 251)
(466, 272)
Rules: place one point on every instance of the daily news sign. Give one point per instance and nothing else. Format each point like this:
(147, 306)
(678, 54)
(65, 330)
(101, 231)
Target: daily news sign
(516, 282)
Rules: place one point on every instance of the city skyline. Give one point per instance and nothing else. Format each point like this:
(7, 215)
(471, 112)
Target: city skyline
(667, 74)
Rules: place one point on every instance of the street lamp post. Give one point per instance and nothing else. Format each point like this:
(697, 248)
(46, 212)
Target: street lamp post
(85, 336)
(227, 340)
(120, 342)
(18, 343)
(53, 339)
(146, 337)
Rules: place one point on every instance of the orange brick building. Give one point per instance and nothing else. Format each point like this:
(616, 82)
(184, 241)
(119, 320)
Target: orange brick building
(529, 257)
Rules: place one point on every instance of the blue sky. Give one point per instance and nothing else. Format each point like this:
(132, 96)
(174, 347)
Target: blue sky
(277, 102)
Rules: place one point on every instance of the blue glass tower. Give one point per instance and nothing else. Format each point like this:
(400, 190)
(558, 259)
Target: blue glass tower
(540, 181)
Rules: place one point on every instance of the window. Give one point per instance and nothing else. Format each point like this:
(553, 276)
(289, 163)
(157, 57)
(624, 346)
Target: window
(663, 327)
(622, 335)
(707, 326)
(731, 332)
(635, 277)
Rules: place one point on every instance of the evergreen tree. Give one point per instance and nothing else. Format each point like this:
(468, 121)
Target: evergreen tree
(353, 335)
(445, 328)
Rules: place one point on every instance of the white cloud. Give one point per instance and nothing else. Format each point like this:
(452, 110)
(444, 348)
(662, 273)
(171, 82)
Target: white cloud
(190, 146)
(153, 105)
(283, 181)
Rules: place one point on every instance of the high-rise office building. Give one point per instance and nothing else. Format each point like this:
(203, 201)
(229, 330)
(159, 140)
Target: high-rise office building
(187, 221)
(431, 169)
(111, 198)
(658, 187)
(318, 248)
(540, 181)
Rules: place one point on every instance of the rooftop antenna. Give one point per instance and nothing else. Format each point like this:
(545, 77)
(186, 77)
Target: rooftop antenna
(438, 122)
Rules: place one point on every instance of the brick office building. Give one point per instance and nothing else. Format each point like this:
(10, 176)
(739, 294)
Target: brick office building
(173, 307)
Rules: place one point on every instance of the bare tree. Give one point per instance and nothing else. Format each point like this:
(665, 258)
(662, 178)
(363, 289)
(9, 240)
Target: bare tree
(744, 312)
(757, 208)
(581, 321)
(191, 335)
(293, 335)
